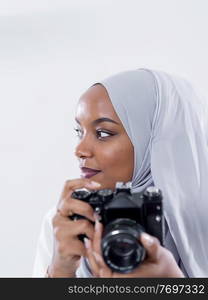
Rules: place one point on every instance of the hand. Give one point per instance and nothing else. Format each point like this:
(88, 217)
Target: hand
(159, 262)
(68, 249)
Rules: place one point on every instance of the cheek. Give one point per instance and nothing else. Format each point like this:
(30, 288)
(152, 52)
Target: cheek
(117, 157)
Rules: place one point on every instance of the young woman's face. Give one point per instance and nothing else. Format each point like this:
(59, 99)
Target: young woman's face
(103, 144)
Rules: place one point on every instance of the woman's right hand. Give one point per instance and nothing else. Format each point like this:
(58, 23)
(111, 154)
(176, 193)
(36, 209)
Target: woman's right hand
(68, 249)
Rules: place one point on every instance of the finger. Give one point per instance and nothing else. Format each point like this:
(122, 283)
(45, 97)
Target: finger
(82, 226)
(71, 185)
(65, 199)
(94, 266)
(96, 246)
(96, 243)
(70, 248)
(65, 228)
(105, 273)
(152, 246)
(71, 206)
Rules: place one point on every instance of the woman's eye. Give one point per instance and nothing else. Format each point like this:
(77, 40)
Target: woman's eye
(99, 133)
(103, 134)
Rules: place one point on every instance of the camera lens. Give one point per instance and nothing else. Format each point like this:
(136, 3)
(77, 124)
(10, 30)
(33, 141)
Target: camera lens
(121, 249)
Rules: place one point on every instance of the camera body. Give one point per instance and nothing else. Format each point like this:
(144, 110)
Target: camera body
(125, 215)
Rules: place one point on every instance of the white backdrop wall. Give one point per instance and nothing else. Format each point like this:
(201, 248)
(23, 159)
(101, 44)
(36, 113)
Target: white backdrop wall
(50, 53)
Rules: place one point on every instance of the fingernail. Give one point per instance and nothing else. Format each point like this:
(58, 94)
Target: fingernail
(97, 256)
(97, 225)
(87, 243)
(147, 238)
(96, 216)
(94, 184)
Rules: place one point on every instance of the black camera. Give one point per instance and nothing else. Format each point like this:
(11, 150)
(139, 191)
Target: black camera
(125, 215)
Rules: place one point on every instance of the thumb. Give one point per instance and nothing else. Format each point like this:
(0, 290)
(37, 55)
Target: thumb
(151, 245)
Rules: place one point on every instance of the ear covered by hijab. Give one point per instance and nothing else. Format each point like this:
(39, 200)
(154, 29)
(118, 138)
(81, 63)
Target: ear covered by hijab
(166, 121)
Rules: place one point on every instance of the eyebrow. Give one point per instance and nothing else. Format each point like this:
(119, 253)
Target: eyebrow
(100, 120)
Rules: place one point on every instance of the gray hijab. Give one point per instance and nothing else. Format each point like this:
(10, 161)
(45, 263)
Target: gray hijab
(166, 121)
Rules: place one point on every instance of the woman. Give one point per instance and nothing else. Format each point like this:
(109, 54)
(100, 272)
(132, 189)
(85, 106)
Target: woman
(146, 127)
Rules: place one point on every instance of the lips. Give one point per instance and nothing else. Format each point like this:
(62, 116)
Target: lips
(87, 172)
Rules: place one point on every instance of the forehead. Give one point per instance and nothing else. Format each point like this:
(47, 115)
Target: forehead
(95, 103)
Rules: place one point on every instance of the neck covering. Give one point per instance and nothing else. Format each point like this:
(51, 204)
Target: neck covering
(167, 123)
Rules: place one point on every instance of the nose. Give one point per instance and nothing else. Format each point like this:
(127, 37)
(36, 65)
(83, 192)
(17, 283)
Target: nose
(83, 149)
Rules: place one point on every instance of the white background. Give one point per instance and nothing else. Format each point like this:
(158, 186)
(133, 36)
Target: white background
(51, 51)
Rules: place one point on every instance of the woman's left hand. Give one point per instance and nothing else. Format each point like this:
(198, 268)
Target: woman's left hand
(159, 262)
